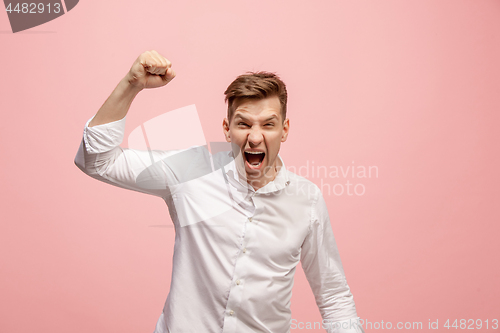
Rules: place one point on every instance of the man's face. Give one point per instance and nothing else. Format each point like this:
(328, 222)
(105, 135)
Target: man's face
(257, 131)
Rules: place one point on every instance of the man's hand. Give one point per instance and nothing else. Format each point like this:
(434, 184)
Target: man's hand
(150, 70)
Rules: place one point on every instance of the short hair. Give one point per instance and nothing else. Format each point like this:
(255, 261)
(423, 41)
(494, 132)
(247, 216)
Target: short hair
(255, 85)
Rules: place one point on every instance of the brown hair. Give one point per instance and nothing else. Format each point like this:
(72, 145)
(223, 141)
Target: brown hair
(255, 85)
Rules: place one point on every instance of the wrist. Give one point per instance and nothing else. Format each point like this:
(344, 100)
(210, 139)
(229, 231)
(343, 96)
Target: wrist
(129, 86)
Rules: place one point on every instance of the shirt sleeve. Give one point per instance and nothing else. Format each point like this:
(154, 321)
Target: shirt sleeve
(101, 157)
(323, 268)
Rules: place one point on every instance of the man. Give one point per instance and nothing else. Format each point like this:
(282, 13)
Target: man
(242, 221)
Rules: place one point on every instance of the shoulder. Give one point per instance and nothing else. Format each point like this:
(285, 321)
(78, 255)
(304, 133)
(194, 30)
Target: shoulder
(187, 164)
(301, 186)
(308, 192)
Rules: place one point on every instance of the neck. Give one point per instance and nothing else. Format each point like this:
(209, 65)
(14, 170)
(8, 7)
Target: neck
(259, 182)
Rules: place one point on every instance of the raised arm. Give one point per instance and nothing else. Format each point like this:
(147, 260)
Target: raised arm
(150, 70)
(100, 155)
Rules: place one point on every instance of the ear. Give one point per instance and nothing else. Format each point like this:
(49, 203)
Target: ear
(286, 127)
(225, 129)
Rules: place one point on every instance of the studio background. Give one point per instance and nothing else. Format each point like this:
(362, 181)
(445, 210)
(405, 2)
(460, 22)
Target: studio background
(409, 87)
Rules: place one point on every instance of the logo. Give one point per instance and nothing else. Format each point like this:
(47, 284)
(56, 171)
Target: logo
(178, 158)
(26, 15)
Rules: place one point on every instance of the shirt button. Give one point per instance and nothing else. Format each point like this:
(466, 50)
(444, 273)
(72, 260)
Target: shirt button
(245, 250)
(250, 219)
(231, 312)
(238, 282)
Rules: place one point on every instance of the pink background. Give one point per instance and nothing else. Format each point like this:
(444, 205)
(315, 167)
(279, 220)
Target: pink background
(411, 87)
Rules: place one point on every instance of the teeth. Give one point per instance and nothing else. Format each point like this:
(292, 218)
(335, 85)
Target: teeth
(254, 152)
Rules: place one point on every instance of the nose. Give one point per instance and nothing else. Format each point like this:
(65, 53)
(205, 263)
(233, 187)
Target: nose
(255, 137)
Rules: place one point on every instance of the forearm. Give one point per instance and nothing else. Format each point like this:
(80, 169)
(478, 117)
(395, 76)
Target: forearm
(117, 104)
(323, 268)
(100, 155)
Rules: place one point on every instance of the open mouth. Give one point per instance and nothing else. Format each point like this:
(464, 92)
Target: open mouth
(254, 158)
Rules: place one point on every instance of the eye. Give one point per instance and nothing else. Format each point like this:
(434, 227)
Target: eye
(269, 124)
(243, 124)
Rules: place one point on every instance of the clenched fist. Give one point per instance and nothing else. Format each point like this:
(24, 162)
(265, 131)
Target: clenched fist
(150, 70)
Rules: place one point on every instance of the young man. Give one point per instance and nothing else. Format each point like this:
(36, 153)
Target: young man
(242, 221)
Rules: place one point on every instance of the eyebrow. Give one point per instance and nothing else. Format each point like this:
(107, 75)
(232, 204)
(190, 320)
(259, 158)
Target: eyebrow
(238, 115)
(271, 118)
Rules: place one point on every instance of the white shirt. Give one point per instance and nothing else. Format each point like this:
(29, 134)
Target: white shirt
(236, 248)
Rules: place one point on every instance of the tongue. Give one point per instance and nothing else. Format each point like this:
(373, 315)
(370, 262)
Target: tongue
(254, 159)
